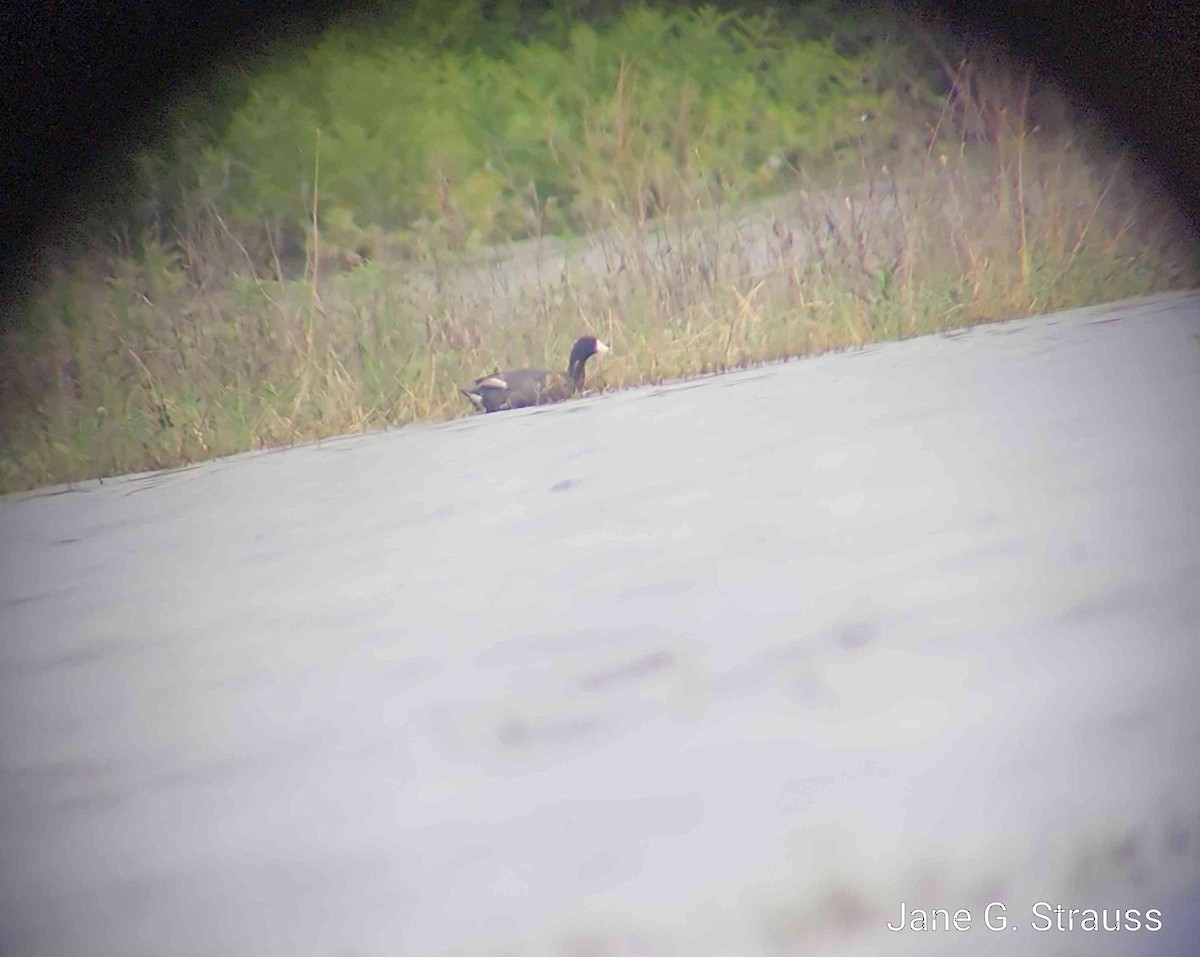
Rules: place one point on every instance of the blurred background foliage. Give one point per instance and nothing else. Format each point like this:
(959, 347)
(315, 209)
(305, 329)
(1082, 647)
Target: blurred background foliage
(466, 122)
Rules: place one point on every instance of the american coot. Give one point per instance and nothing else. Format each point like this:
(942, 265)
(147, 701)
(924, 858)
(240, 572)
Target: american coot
(518, 388)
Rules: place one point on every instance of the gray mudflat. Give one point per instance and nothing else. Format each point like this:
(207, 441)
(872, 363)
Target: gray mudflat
(728, 667)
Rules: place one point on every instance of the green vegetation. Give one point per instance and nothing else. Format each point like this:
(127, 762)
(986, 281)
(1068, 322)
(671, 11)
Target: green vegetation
(322, 246)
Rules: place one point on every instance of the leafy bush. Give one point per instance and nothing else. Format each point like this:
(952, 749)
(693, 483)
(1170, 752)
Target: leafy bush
(651, 110)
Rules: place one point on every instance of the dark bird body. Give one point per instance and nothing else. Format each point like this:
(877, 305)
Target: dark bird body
(518, 388)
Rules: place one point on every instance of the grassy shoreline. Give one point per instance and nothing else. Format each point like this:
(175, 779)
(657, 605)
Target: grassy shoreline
(138, 371)
(704, 243)
(321, 441)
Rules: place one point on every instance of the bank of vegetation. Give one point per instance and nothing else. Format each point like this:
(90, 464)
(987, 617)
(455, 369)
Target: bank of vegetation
(334, 239)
